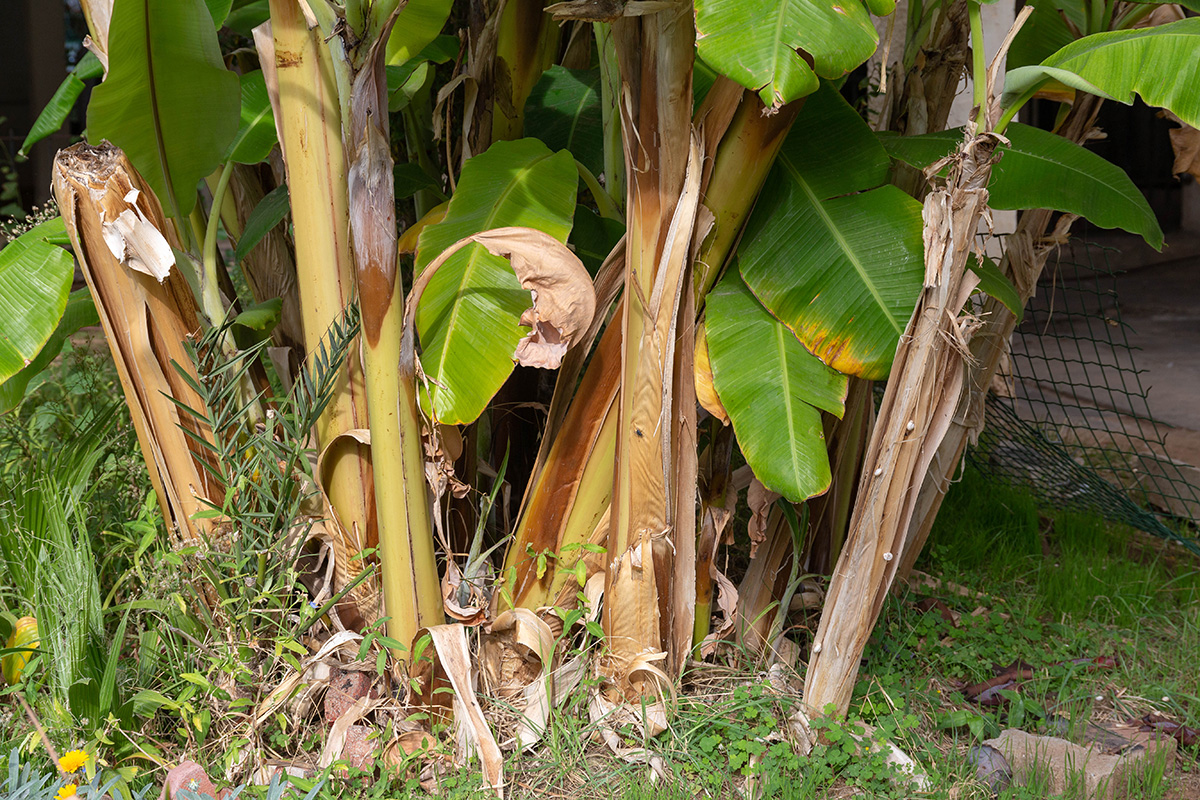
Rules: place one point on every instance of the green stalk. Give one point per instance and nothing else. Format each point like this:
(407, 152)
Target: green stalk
(604, 203)
(411, 592)
(978, 63)
(210, 293)
(1136, 13)
(526, 45)
(1096, 16)
(414, 141)
(1012, 111)
(610, 90)
(311, 125)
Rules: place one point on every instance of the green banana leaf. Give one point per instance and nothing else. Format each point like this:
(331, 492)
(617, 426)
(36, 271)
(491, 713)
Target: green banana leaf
(410, 178)
(404, 82)
(63, 101)
(168, 100)
(219, 11)
(832, 249)
(1043, 170)
(80, 313)
(246, 15)
(994, 283)
(468, 317)
(256, 131)
(269, 212)
(419, 23)
(1044, 32)
(563, 110)
(35, 280)
(755, 42)
(1161, 64)
(593, 237)
(773, 390)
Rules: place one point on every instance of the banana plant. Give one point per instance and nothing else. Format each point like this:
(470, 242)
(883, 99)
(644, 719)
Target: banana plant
(700, 221)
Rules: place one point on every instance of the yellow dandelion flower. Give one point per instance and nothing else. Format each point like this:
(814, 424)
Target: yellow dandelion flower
(67, 792)
(72, 761)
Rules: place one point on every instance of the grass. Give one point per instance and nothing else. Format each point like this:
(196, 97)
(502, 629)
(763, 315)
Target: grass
(1045, 588)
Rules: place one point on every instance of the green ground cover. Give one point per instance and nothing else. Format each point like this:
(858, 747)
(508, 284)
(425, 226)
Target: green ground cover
(1107, 618)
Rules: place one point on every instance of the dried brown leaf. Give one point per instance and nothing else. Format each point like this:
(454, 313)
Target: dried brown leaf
(517, 656)
(760, 499)
(706, 392)
(451, 669)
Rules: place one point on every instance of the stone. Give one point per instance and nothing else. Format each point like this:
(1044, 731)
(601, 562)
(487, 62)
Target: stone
(1057, 764)
(359, 748)
(191, 777)
(346, 687)
(991, 768)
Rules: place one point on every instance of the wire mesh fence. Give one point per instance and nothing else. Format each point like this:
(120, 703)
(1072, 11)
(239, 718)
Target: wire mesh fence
(1070, 421)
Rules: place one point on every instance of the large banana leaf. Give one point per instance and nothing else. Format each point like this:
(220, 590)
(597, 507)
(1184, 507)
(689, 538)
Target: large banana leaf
(246, 15)
(772, 389)
(219, 10)
(468, 316)
(1044, 32)
(35, 280)
(831, 249)
(168, 100)
(80, 313)
(419, 23)
(563, 110)
(256, 131)
(1160, 64)
(755, 42)
(1043, 170)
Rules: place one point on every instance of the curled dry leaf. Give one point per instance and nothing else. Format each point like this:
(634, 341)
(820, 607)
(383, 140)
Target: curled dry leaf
(760, 500)
(364, 602)
(1185, 141)
(134, 241)
(476, 610)
(408, 744)
(442, 449)
(608, 716)
(99, 17)
(564, 301)
(727, 601)
(706, 392)
(451, 669)
(517, 655)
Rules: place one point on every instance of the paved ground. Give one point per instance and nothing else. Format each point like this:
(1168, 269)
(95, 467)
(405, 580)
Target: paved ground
(1158, 299)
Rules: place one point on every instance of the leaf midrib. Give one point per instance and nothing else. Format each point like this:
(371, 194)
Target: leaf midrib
(781, 345)
(843, 245)
(241, 138)
(1089, 175)
(159, 138)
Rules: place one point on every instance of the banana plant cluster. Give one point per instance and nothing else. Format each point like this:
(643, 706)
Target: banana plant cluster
(671, 205)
